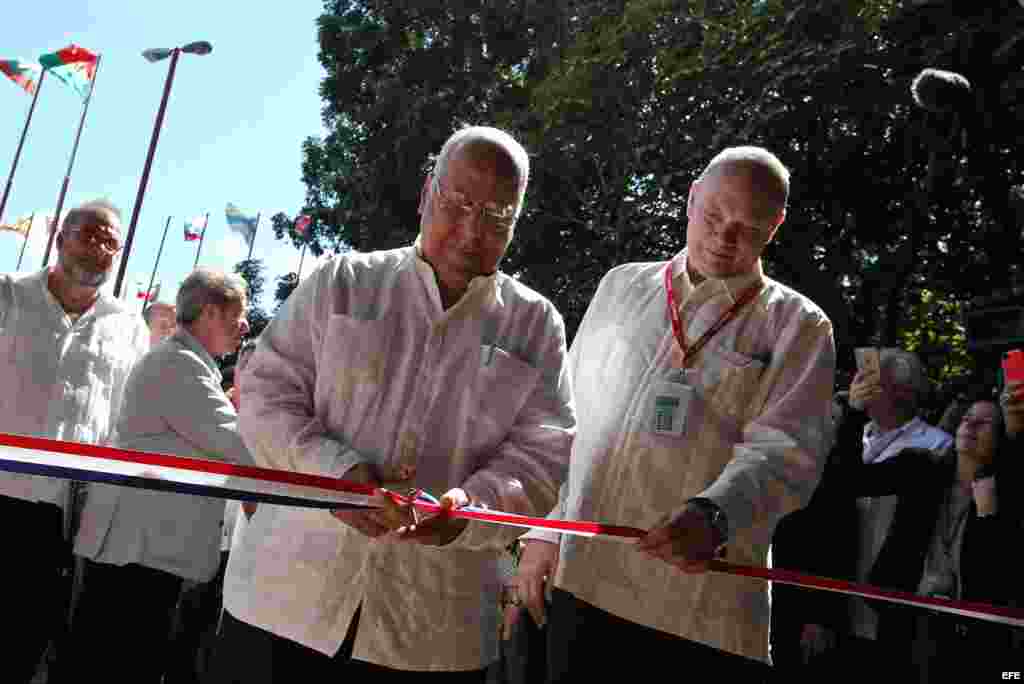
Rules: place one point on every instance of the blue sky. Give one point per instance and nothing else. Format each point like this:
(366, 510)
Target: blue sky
(232, 132)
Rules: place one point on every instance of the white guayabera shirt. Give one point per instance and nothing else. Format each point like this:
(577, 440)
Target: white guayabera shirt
(362, 364)
(61, 379)
(753, 442)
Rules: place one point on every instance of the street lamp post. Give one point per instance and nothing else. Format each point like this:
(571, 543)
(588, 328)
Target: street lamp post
(154, 55)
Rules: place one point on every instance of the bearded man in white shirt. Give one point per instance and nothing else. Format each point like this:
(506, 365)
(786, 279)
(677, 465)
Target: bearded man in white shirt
(66, 350)
(424, 365)
(703, 392)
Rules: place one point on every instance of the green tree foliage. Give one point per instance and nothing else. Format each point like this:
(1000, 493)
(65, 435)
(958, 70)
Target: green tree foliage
(286, 284)
(252, 271)
(897, 217)
(318, 234)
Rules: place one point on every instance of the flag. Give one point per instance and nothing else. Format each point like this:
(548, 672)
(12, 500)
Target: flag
(302, 224)
(25, 74)
(194, 228)
(74, 65)
(150, 296)
(243, 224)
(21, 226)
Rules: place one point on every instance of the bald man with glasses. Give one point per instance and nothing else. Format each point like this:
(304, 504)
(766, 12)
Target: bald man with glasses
(425, 367)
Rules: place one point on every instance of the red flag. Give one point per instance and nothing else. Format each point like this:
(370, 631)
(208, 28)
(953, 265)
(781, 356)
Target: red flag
(74, 65)
(148, 296)
(194, 228)
(302, 224)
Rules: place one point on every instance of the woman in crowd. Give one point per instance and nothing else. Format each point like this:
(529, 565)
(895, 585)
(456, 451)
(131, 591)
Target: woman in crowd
(948, 539)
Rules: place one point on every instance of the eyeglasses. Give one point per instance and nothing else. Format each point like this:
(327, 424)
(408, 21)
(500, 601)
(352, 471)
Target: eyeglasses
(499, 219)
(94, 236)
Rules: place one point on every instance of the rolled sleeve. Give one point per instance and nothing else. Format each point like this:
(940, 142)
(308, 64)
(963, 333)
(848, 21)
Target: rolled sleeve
(530, 466)
(777, 465)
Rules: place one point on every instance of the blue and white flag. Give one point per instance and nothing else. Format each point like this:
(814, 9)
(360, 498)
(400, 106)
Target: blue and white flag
(242, 223)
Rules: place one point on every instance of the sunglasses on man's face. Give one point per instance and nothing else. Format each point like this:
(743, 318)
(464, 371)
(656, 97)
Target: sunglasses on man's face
(97, 236)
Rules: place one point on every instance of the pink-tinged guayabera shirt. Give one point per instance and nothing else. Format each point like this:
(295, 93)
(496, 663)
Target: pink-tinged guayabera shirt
(362, 364)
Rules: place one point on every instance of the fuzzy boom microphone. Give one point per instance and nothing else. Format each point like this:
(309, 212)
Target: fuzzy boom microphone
(941, 91)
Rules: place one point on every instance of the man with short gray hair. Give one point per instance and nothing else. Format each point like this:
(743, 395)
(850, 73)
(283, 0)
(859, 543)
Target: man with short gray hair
(891, 397)
(139, 545)
(423, 366)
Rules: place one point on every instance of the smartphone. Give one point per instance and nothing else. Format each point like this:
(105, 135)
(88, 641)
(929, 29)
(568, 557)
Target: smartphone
(868, 359)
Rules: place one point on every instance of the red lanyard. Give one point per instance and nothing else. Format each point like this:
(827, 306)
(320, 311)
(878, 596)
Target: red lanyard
(677, 322)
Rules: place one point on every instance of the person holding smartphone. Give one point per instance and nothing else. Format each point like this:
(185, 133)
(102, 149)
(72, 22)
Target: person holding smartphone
(889, 387)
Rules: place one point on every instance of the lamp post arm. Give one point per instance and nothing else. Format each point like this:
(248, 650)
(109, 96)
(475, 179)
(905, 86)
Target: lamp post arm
(145, 172)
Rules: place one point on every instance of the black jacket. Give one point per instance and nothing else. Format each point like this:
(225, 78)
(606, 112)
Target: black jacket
(986, 569)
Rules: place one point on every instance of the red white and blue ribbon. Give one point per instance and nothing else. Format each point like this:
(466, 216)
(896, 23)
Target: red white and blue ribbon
(162, 472)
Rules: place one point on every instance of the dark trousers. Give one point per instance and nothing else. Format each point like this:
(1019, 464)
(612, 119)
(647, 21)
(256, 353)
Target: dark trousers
(250, 655)
(858, 660)
(122, 623)
(586, 642)
(788, 666)
(949, 649)
(522, 657)
(36, 585)
(195, 628)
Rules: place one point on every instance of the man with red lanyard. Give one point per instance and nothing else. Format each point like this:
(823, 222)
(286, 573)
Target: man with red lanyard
(703, 391)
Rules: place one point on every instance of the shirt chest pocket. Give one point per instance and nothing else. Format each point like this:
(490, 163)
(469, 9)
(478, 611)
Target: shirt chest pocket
(90, 361)
(353, 358)
(503, 384)
(735, 385)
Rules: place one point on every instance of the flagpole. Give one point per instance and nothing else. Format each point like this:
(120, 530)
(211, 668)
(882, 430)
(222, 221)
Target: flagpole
(71, 162)
(202, 236)
(27, 233)
(158, 253)
(298, 276)
(21, 142)
(253, 241)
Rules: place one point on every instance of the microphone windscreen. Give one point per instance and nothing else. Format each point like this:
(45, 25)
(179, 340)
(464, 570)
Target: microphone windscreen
(940, 91)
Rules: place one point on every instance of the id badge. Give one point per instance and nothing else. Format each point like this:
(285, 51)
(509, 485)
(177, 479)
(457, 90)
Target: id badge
(670, 405)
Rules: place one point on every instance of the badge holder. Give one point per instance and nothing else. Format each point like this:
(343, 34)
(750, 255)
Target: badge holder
(670, 405)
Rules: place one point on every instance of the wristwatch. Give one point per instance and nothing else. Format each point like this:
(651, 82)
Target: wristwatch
(715, 517)
(986, 470)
